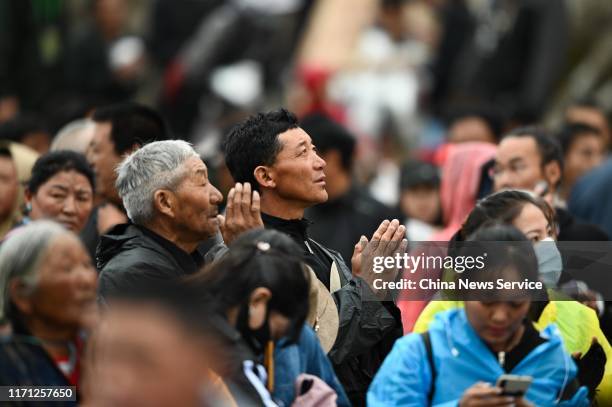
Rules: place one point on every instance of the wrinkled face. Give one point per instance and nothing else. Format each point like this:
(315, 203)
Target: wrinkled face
(197, 203)
(103, 160)
(497, 322)
(584, 154)
(517, 164)
(532, 222)
(8, 187)
(298, 170)
(421, 203)
(65, 296)
(470, 129)
(66, 197)
(144, 357)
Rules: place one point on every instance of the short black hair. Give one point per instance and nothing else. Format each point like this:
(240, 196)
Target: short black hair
(586, 102)
(492, 117)
(548, 147)
(572, 131)
(255, 142)
(20, 126)
(5, 152)
(132, 124)
(328, 135)
(416, 173)
(57, 161)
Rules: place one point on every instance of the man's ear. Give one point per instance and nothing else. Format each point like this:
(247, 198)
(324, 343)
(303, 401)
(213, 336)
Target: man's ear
(165, 202)
(17, 294)
(264, 176)
(552, 173)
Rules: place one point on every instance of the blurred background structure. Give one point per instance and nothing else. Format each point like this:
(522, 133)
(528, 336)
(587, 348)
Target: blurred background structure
(403, 76)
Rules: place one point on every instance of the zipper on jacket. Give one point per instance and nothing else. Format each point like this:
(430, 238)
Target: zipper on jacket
(501, 358)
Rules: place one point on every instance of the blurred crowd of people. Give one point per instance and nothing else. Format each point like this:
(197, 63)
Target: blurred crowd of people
(155, 199)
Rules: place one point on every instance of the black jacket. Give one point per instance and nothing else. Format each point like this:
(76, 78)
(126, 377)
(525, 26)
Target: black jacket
(131, 254)
(571, 229)
(368, 328)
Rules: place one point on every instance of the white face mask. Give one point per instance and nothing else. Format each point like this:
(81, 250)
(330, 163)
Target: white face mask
(550, 264)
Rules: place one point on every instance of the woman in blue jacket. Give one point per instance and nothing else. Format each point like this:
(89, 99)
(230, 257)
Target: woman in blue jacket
(460, 359)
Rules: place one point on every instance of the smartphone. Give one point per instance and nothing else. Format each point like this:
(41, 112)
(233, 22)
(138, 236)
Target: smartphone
(514, 385)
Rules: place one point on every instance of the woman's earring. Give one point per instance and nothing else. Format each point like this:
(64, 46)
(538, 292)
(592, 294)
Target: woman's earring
(28, 207)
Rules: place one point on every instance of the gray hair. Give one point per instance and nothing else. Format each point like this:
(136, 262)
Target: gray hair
(75, 136)
(21, 255)
(158, 165)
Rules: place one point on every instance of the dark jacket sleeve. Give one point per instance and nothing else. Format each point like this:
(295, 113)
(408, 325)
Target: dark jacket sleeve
(364, 321)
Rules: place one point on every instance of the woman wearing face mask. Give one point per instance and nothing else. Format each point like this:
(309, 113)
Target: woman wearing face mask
(471, 347)
(259, 295)
(577, 323)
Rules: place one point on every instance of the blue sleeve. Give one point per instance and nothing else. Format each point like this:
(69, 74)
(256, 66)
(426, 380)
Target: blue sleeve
(317, 363)
(306, 356)
(404, 379)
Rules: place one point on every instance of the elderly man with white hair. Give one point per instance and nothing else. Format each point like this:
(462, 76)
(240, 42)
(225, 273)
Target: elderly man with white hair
(173, 207)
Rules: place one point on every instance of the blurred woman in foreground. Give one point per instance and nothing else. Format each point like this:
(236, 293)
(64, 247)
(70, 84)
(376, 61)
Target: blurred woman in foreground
(48, 298)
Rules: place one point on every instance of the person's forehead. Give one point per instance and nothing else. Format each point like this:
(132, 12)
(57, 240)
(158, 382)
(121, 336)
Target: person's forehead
(530, 215)
(101, 132)
(581, 112)
(516, 147)
(196, 166)
(69, 178)
(7, 164)
(293, 138)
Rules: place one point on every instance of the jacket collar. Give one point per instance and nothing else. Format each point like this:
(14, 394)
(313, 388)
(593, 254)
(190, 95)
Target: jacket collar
(296, 228)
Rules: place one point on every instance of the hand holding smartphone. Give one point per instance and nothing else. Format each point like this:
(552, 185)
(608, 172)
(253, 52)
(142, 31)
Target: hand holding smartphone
(514, 385)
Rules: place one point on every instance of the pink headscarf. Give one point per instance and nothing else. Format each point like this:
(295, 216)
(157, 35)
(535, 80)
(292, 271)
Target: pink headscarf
(461, 176)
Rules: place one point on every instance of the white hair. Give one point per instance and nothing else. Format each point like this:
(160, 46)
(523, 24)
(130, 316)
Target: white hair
(157, 165)
(21, 255)
(75, 136)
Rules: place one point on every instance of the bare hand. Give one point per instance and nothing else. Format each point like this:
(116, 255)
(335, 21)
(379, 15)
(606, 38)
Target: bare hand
(521, 402)
(484, 395)
(387, 241)
(242, 212)
(108, 216)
